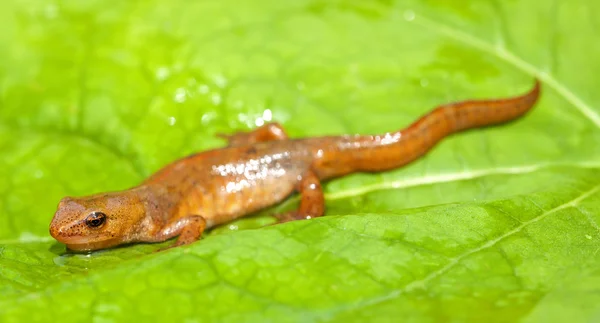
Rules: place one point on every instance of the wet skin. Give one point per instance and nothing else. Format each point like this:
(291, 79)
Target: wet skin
(259, 169)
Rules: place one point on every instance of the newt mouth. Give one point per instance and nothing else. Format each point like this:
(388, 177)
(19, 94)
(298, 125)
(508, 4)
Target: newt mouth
(83, 243)
(83, 247)
(90, 246)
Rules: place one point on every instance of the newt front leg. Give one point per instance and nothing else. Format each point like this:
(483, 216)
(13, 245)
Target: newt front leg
(189, 229)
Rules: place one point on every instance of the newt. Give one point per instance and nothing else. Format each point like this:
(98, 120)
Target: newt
(258, 169)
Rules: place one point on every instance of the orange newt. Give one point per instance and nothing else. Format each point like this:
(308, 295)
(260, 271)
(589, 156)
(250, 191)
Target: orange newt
(259, 169)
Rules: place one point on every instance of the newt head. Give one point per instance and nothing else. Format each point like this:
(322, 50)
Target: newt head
(98, 221)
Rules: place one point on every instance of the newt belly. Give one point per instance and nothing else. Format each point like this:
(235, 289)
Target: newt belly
(259, 169)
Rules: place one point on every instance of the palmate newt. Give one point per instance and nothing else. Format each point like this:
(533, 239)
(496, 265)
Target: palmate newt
(259, 169)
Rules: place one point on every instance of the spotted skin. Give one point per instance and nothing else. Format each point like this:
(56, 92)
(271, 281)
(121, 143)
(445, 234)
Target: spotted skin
(259, 169)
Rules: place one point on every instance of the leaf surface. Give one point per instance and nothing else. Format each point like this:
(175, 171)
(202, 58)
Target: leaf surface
(497, 224)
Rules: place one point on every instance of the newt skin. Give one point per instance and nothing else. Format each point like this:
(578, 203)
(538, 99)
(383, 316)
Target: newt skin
(259, 169)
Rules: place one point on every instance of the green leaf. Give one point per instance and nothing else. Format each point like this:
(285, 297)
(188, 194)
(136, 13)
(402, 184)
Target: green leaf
(493, 225)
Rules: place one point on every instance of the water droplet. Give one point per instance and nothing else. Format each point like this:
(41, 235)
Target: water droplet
(38, 173)
(162, 73)
(589, 237)
(207, 117)
(424, 82)
(220, 80)
(178, 67)
(242, 117)
(28, 236)
(259, 122)
(61, 260)
(409, 15)
(216, 99)
(203, 89)
(238, 104)
(180, 95)
(51, 11)
(233, 227)
(172, 121)
(267, 115)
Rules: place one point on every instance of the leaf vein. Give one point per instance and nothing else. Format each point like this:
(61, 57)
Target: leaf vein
(456, 260)
(446, 178)
(508, 56)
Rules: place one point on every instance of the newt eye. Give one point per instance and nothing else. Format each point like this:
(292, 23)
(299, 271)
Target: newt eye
(95, 219)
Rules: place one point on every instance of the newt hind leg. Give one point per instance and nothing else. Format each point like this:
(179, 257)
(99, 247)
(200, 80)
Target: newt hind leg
(312, 201)
(267, 132)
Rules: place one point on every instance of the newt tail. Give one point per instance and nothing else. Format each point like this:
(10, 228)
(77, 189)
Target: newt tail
(259, 169)
(375, 153)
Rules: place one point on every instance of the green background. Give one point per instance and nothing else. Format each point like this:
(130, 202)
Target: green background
(498, 224)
